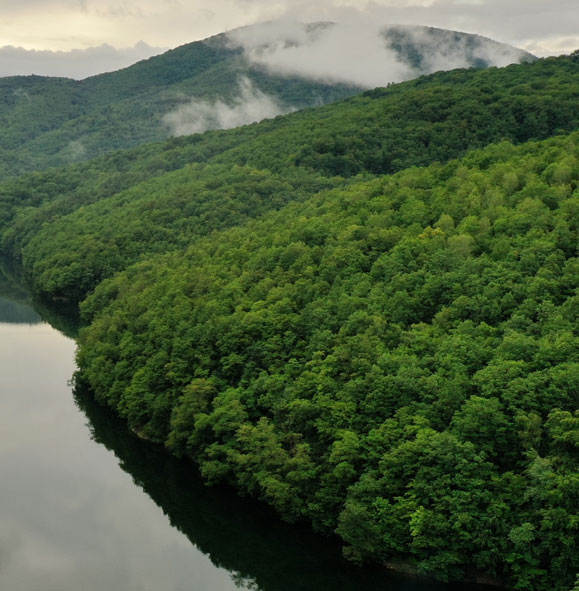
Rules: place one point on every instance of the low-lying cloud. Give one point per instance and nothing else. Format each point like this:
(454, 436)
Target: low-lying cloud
(328, 52)
(76, 63)
(75, 151)
(362, 53)
(249, 106)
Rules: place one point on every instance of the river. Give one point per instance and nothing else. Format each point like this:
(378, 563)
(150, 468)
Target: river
(86, 506)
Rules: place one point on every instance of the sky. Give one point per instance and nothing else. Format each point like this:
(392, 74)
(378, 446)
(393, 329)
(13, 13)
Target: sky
(114, 33)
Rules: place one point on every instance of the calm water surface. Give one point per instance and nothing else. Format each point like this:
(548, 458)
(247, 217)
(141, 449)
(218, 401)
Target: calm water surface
(85, 506)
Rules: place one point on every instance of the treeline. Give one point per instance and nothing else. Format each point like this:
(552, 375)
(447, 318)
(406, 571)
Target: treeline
(55, 222)
(396, 361)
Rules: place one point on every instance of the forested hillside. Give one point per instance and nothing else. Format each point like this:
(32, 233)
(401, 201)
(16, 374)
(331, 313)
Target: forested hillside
(56, 121)
(396, 361)
(73, 227)
(365, 314)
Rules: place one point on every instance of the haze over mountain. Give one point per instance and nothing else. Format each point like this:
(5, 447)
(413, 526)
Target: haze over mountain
(366, 54)
(225, 81)
(76, 63)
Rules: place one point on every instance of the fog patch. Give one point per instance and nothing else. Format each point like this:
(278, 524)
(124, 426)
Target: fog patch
(21, 93)
(251, 105)
(327, 52)
(363, 52)
(75, 151)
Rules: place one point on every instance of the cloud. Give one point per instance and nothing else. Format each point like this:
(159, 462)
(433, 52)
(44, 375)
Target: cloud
(334, 53)
(521, 23)
(52, 24)
(77, 63)
(361, 52)
(249, 106)
(555, 45)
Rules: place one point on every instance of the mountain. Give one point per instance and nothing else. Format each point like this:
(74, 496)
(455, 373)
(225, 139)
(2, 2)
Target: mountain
(221, 82)
(73, 227)
(364, 313)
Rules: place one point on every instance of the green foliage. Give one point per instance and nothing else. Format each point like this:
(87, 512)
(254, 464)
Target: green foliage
(396, 360)
(73, 227)
(393, 358)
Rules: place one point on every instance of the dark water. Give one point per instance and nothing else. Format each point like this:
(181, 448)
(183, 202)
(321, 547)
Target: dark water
(86, 506)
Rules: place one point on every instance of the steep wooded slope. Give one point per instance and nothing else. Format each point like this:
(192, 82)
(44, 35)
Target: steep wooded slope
(396, 361)
(51, 121)
(70, 228)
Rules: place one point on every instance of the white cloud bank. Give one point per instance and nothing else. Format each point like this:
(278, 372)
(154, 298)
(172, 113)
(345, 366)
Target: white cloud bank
(249, 106)
(332, 53)
(76, 63)
(359, 52)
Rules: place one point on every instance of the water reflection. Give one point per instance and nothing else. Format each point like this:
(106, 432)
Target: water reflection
(13, 312)
(18, 307)
(14, 304)
(70, 519)
(238, 535)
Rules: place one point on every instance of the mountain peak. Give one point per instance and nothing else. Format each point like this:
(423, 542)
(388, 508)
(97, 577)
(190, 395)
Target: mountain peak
(364, 54)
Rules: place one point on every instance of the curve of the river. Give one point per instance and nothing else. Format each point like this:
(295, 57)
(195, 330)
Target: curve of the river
(86, 506)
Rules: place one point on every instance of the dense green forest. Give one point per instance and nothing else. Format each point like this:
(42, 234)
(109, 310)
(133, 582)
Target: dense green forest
(357, 313)
(396, 361)
(47, 121)
(73, 227)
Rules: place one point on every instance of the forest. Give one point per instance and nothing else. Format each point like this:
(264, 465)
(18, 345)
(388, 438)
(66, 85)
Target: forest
(47, 122)
(364, 314)
(72, 227)
(397, 361)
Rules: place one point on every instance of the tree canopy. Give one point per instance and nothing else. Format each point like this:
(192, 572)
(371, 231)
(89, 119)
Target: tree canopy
(357, 313)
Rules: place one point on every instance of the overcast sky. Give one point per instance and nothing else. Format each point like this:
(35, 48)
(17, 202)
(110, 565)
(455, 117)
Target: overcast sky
(544, 27)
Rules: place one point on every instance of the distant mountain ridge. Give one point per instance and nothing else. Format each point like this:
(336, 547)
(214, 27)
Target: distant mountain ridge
(366, 54)
(75, 63)
(414, 44)
(216, 83)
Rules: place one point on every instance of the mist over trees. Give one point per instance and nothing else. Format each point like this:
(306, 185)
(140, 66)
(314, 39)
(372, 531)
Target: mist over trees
(217, 83)
(365, 52)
